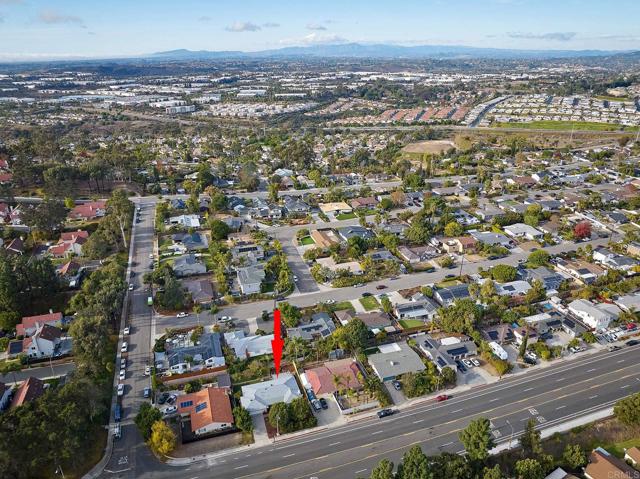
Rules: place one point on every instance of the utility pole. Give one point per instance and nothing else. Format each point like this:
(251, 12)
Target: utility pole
(461, 263)
(512, 432)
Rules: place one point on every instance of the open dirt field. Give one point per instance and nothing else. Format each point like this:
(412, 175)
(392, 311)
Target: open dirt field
(429, 146)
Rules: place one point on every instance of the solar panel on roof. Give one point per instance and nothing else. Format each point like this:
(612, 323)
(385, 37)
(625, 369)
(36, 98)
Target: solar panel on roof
(201, 407)
(186, 404)
(458, 351)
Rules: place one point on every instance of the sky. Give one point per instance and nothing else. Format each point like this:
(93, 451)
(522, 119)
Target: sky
(45, 29)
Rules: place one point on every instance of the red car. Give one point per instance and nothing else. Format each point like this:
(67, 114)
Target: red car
(442, 397)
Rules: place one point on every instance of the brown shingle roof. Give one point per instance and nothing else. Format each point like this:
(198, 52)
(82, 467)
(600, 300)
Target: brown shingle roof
(30, 390)
(603, 465)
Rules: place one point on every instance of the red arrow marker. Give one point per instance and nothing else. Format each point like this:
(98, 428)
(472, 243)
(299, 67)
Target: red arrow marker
(277, 342)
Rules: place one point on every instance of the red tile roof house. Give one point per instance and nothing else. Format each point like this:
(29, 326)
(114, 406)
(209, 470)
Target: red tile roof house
(334, 376)
(43, 343)
(89, 211)
(368, 202)
(208, 409)
(29, 390)
(69, 244)
(29, 324)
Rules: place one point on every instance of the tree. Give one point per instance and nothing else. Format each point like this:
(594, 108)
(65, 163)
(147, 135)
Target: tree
(274, 188)
(146, 417)
(173, 297)
(450, 466)
(46, 217)
(530, 440)
(413, 181)
(477, 440)
(219, 230)
(163, 439)
(384, 470)
(446, 261)
(453, 228)
(356, 246)
(627, 410)
(529, 469)
(582, 230)
(243, 420)
(415, 465)
(504, 273)
(357, 333)
(461, 317)
(387, 307)
(537, 292)
(488, 290)
(538, 258)
(290, 314)
(90, 344)
(574, 456)
(492, 473)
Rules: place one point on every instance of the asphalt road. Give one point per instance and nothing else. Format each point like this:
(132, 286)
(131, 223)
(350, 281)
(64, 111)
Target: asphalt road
(550, 396)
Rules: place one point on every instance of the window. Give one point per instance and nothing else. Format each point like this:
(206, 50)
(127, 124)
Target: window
(186, 404)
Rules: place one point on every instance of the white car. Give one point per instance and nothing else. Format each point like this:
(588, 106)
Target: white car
(182, 315)
(468, 363)
(120, 389)
(130, 286)
(295, 279)
(150, 255)
(124, 347)
(170, 410)
(122, 375)
(475, 362)
(126, 330)
(330, 301)
(225, 319)
(123, 363)
(147, 371)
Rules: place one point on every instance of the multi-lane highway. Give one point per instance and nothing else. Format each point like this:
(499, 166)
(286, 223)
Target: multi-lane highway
(550, 396)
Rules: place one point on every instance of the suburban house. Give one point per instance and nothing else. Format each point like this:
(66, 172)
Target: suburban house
(423, 309)
(613, 260)
(447, 296)
(29, 324)
(295, 206)
(259, 397)
(581, 270)
(521, 333)
(186, 221)
(190, 241)
(201, 290)
(29, 390)
(250, 278)
(460, 245)
(394, 360)
(321, 326)
(595, 315)
(632, 455)
(188, 265)
(603, 465)
(628, 302)
(492, 239)
(182, 354)
(445, 351)
(364, 202)
(333, 376)
(335, 208)
(208, 410)
(633, 248)
(560, 473)
(513, 288)
(353, 231)
(500, 333)
(417, 254)
(487, 212)
(521, 230)
(46, 342)
(247, 252)
(352, 267)
(551, 280)
(5, 396)
(88, 211)
(248, 346)
(324, 238)
(375, 321)
(70, 243)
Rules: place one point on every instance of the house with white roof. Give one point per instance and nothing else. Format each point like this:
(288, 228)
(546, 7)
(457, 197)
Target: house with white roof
(259, 397)
(248, 346)
(595, 315)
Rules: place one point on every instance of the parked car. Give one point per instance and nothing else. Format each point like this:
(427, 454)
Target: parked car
(461, 367)
(316, 405)
(171, 399)
(381, 286)
(632, 342)
(122, 375)
(450, 276)
(146, 393)
(467, 363)
(365, 295)
(123, 363)
(475, 362)
(442, 397)
(126, 330)
(120, 389)
(130, 286)
(323, 403)
(529, 360)
(163, 398)
(170, 410)
(295, 278)
(147, 370)
(385, 412)
(181, 315)
(396, 385)
(124, 347)
(613, 348)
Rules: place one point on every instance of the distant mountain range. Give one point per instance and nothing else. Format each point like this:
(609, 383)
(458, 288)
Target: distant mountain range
(380, 51)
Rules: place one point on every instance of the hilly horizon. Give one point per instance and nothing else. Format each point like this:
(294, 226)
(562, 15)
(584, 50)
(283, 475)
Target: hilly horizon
(358, 50)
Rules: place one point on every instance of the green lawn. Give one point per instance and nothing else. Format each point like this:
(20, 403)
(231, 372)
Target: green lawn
(566, 125)
(618, 448)
(448, 283)
(410, 323)
(307, 240)
(341, 306)
(370, 303)
(345, 216)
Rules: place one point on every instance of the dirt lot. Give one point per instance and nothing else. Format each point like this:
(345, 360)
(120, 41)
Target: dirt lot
(430, 146)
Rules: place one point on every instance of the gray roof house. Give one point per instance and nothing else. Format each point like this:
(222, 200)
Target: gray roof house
(294, 205)
(188, 265)
(424, 309)
(550, 279)
(320, 326)
(394, 360)
(181, 355)
(492, 239)
(445, 351)
(447, 296)
(250, 278)
(201, 290)
(191, 241)
(248, 346)
(259, 397)
(351, 231)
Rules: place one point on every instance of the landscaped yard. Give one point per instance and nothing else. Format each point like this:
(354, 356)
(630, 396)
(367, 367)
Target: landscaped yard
(342, 305)
(306, 241)
(410, 323)
(447, 283)
(370, 303)
(345, 216)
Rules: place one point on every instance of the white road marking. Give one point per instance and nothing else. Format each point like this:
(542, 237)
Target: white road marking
(289, 455)
(416, 422)
(591, 370)
(625, 386)
(361, 470)
(621, 361)
(560, 407)
(457, 410)
(334, 443)
(494, 399)
(447, 444)
(528, 389)
(593, 397)
(242, 467)
(377, 432)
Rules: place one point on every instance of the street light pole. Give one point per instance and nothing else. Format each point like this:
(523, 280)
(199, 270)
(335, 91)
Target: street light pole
(512, 432)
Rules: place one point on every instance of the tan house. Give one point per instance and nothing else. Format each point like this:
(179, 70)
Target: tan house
(462, 244)
(603, 465)
(324, 238)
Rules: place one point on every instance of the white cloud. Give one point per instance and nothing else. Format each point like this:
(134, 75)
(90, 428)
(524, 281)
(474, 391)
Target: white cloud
(51, 17)
(243, 27)
(315, 39)
(553, 36)
(315, 26)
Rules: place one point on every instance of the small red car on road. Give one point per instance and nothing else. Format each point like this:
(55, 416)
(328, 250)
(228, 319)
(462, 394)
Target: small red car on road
(442, 397)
